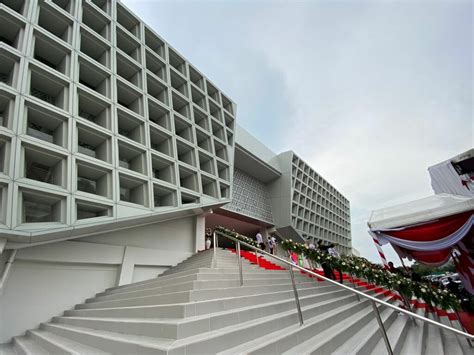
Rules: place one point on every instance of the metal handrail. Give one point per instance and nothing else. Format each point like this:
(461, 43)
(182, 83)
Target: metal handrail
(373, 300)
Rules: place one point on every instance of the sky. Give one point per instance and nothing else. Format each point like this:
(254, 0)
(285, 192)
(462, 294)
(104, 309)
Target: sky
(369, 93)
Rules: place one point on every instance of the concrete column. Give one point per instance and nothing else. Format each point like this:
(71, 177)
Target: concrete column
(199, 232)
(126, 269)
(265, 234)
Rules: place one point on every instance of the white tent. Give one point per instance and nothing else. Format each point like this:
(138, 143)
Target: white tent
(419, 211)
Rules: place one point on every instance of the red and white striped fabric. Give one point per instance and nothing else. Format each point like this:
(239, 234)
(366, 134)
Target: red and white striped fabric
(379, 250)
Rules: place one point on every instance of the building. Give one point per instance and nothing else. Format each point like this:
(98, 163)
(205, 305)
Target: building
(281, 193)
(116, 152)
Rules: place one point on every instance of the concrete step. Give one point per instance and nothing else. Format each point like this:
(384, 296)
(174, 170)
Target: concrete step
(154, 311)
(203, 307)
(364, 340)
(56, 344)
(181, 328)
(222, 256)
(415, 338)
(208, 342)
(193, 285)
(245, 268)
(188, 286)
(329, 339)
(280, 342)
(208, 264)
(218, 341)
(24, 345)
(201, 277)
(8, 349)
(433, 339)
(202, 271)
(109, 342)
(283, 339)
(396, 334)
(454, 344)
(193, 295)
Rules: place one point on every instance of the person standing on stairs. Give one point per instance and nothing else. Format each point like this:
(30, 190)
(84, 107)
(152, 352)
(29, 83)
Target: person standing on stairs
(208, 238)
(271, 244)
(334, 253)
(326, 267)
(260, 242)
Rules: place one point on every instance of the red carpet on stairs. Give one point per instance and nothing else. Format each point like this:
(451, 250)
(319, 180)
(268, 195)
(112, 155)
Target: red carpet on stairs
(262, 262)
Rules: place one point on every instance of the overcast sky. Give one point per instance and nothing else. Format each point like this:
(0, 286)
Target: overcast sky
(368, 93)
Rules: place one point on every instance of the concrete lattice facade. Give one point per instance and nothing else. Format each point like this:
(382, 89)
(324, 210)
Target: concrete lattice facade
(305, 205)
(102, 119)
(318, 210)
(250, 198)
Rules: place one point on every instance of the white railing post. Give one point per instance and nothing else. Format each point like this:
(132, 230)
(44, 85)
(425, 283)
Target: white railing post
(239, 262)
(382, 329)
(295, 291)
(214, 256)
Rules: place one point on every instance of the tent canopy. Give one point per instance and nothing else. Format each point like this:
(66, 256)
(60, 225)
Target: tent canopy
(419, 211)
(431, 231)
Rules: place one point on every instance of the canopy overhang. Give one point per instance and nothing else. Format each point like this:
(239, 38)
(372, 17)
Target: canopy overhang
(419, 211)
(431, 231)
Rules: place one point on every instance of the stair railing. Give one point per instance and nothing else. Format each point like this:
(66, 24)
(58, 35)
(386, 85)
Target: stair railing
(374, 301)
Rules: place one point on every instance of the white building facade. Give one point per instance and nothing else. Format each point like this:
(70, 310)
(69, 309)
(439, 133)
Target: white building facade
(116, 153)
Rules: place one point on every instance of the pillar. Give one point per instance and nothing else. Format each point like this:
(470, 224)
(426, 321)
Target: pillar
(199, 233)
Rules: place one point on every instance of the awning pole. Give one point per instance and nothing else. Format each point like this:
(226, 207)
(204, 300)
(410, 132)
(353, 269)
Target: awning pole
(403, 264)
(379, 249)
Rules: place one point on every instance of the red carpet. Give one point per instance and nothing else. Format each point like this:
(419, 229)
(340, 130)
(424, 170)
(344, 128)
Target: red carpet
(262, 262)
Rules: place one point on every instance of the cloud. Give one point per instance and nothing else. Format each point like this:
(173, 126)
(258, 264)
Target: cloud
(369, 93)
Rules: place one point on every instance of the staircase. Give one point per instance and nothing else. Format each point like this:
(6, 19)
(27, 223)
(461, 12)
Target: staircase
(198, 307)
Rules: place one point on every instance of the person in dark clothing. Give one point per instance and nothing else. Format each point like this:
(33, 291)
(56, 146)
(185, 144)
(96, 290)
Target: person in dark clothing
(328, 272)
(415, 276)
(393, 269)
(453, 287)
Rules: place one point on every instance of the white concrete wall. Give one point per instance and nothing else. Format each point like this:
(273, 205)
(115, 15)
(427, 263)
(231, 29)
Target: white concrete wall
(46, 280)
(36, 291)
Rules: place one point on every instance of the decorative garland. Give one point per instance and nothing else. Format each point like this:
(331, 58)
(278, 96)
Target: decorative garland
(376, 274)
(236, 235)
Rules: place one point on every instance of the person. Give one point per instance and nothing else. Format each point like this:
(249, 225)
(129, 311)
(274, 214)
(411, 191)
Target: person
(414, 275)
(294, 257)
(208, 243)
(326, 267)
(393, 269)
(260, 242)
(274, 242)
(452, 286)
(271, 244)
(334, 253)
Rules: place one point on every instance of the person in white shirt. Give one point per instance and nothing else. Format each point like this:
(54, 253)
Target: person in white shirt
(260, 241)
(271, 244)
(208, 241)
(274, 241)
